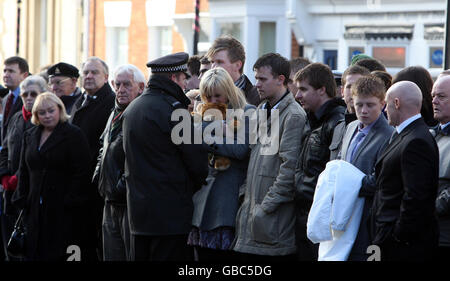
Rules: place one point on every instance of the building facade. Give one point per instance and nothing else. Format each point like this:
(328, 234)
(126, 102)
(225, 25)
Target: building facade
(43, 31)
(399, 33)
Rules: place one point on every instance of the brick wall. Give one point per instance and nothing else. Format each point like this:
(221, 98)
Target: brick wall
(137, 32)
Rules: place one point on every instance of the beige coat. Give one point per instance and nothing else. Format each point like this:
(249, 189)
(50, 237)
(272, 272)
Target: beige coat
(265, 221)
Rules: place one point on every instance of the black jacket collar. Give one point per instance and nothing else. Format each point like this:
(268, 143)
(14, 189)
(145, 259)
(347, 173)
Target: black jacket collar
(164, 84)
(327, 109)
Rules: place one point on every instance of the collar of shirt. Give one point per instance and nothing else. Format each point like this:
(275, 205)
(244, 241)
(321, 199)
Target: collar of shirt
(15, 93)
(367, 129)
(408, 121)
(443, 126)
(278, 103)
(92, 97)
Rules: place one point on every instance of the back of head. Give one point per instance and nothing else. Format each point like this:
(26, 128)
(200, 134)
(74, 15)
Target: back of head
(384, 76)
(422, 78)
(371, 64)
(21, 62)
(298, 63)
(409, 95)
(193, 65)
(232, 46)
(318, 75)
(417, 74)
(279, 65)
(358, 57)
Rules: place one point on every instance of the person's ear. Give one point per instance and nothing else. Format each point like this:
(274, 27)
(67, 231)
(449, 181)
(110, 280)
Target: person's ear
(281, 79)
(141, 87)
(322, 91)
(396, 103)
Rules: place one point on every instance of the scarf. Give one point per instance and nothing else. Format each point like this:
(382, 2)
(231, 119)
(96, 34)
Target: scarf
(26, 114)
(116, 123)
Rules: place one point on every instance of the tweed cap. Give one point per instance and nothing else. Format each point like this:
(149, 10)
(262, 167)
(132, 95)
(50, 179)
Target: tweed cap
(63, 69)
(171, 63)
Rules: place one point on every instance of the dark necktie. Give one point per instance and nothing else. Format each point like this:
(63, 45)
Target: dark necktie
(269, 110)
(9, 103)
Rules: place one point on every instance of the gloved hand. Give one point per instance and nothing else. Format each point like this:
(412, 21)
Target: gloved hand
(13, 182)
(5, 180)
(9, 182)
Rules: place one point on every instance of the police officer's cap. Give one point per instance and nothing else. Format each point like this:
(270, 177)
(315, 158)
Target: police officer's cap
(63, 69)
(171, 63)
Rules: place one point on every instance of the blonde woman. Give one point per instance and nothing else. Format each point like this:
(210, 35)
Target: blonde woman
(216, 203)
(53, 181)
(19, 122)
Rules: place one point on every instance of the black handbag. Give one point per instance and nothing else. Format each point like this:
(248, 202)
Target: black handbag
(16, 244)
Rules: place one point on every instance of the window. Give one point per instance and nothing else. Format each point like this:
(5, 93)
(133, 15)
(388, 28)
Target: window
(436, 57)
(160, 41)
(117, 46)
(231, 28)
(330, 58)
(353, 51)
(390, 56)
(267, 37)
(159, 15)
(117, 21)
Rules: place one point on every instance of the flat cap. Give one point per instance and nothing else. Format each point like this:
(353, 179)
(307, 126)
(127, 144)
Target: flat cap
(63, 69)
(171, 63)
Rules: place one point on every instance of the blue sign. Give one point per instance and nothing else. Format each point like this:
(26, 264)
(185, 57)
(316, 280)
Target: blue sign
(437, 57)
(356, 52)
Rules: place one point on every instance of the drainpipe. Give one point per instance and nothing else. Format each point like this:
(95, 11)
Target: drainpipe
(18, 27)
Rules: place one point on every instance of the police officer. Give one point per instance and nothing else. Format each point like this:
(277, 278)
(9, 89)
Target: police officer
(62, 81)
(160, 174)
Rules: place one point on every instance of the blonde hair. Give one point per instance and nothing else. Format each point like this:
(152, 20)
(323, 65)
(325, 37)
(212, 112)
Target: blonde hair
(45, 99)
(218, 78)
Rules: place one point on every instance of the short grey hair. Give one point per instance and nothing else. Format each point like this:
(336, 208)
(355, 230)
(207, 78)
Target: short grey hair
(34, 80)
(103, 63)
(138, 76)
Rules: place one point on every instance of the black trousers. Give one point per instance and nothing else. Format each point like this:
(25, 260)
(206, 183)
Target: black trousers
(161, 248)
(306, 250)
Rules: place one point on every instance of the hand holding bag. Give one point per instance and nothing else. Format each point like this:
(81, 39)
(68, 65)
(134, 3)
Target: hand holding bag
(16, 244)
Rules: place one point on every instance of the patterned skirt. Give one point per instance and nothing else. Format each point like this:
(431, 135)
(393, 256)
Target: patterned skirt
(218, 239)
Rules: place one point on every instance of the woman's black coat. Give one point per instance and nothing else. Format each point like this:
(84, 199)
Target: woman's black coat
(53, 188)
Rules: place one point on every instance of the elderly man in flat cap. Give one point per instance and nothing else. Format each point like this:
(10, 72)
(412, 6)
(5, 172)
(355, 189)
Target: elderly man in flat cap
(62, 81)
(161, 175)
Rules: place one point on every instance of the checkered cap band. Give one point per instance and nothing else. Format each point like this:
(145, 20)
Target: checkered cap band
(176, 68)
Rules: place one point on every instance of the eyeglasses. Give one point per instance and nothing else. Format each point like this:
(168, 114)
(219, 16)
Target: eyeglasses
(33, 94)
(57, 83)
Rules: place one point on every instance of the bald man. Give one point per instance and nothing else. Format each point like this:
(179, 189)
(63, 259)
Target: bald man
(403, 214)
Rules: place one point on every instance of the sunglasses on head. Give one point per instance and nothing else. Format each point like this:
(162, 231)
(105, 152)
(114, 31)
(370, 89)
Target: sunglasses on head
(31, 93)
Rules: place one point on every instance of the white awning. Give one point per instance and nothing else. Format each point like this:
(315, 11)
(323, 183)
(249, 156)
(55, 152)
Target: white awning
(434, 31)
(378, 31)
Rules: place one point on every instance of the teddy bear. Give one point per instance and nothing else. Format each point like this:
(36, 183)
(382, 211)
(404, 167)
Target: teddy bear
(220, 163)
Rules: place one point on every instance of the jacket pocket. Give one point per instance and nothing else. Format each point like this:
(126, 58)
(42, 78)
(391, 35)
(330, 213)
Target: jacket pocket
(264, 227)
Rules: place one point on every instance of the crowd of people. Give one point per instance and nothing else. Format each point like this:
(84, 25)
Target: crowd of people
(97, 165)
